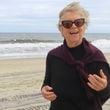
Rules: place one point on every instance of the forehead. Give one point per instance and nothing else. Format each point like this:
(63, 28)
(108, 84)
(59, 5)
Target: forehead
(71, 15)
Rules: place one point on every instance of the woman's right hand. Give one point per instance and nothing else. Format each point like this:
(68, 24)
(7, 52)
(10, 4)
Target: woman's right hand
(48, 93)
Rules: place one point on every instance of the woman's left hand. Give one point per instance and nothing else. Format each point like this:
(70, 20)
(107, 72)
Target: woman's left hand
(96, 82)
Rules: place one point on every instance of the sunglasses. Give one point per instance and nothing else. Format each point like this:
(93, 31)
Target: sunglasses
(69, 23)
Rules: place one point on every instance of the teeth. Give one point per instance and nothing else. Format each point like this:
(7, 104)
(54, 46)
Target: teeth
(73, 32)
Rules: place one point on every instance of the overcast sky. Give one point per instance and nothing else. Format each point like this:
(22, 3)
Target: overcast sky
(42, 15)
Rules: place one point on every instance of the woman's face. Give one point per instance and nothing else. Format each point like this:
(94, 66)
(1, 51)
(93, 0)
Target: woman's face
(73, 35)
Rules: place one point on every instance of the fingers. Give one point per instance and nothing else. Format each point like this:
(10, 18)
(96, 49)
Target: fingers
(48, 89)
(48, 93)
(92, 86)
(102, 74)
(96, 82)
(93, 81)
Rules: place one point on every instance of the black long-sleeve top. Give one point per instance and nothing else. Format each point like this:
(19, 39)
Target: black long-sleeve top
(66, 83)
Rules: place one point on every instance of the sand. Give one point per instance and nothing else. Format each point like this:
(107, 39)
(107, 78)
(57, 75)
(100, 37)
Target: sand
(20, 83)
(21, 74)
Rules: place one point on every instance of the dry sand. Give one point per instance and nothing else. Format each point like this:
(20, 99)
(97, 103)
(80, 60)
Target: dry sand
(21, 74)
(20, 83)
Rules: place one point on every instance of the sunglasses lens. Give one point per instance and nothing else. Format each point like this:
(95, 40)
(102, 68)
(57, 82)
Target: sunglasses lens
(67, 23)
(79, 22)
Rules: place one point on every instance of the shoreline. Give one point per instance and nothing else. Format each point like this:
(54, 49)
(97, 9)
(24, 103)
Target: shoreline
(107, 56)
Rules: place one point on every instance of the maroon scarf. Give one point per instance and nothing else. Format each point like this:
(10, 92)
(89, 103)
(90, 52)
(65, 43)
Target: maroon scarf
(91, 54)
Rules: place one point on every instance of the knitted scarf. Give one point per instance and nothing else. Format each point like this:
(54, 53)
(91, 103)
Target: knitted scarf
(91, 54)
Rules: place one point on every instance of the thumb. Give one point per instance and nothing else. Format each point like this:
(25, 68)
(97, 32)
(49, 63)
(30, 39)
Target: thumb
(48, 88)
(102, 74)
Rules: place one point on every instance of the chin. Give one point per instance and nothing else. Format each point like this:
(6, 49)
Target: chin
(76, 41)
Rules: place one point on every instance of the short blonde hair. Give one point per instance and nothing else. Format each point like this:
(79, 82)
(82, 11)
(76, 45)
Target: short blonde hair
(74, 6)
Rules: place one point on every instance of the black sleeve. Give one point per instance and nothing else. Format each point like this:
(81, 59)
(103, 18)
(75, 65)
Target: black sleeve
(95, 68)
(105, 94)
(47, 78)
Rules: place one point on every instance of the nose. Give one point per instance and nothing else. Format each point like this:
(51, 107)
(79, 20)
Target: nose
(73, 25)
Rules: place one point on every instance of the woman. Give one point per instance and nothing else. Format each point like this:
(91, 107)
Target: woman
(77, 73)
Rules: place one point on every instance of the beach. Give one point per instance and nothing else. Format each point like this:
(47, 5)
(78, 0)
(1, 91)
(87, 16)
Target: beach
(20, 84)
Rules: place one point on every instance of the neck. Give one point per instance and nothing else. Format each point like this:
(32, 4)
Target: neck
(75, 44)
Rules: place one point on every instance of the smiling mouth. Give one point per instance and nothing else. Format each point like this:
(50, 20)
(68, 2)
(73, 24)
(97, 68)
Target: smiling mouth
(74, 32)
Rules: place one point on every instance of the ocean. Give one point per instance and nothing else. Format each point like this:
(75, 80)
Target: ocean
(29, 45)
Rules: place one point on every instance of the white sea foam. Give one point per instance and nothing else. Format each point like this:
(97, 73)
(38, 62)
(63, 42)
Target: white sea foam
(103, 45)
(40, 49)
(26, 49)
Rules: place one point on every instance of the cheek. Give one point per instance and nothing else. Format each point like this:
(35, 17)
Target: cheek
(64, 32)
(82, 30)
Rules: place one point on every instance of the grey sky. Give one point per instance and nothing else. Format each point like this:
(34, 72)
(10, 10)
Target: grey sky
(42, 15)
